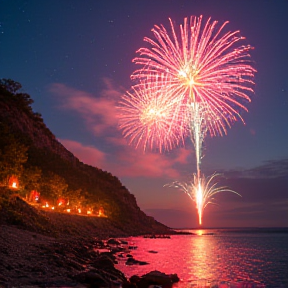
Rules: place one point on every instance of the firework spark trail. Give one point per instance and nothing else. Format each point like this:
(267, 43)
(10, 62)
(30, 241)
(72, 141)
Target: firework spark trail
(189, 84)
(201, 190)
(198, 132)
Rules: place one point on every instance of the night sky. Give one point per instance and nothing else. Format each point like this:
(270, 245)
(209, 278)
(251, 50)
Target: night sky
(75, 60)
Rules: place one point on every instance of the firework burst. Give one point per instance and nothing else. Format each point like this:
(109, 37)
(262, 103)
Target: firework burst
(202, 191)
(149, 120)
(190, 83)
(203, 64)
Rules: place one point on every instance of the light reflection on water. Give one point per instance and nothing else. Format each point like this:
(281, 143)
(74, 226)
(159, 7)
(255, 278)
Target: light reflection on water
(232, 257)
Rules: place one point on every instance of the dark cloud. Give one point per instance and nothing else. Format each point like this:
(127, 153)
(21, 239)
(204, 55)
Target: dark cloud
(269, 169)
(263, 189)
(267, 183)
(254, 214)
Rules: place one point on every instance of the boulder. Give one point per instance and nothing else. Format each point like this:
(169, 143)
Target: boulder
(132, 261)
(104, 261)
(157, 278)
(92, 278)
(113, 241)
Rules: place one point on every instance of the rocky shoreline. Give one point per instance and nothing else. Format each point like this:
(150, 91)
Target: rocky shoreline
(30, 259)
(49, 249)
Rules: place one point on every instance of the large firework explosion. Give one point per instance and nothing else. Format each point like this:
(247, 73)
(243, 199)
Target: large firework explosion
(191, 82)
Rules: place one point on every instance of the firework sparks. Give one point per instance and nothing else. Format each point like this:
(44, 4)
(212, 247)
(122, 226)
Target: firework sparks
(198, 131)
(189, 84)
(202, 190)
(148, 118)
(201, 66)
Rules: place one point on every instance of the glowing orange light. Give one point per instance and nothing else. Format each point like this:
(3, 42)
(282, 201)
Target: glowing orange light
(68, 210)
(46, 205)
(199, 232)
(13, 182)
(89, 212)
(79, 210)
(53, 208)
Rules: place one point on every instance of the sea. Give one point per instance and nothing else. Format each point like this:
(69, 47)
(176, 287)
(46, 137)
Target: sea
(226, 258)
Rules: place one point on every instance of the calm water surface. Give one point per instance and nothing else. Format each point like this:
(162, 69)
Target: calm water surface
(259, 257)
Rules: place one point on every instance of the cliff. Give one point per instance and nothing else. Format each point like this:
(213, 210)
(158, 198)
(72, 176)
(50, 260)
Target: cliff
(45, 153)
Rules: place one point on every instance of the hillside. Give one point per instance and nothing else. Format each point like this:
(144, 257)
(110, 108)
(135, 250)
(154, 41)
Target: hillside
(42, 163)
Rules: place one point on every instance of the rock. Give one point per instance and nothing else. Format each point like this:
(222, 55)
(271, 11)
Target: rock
(104, 266)
(115, 284)
(157, 236)
(132, 247)
(116, 249)
(2, 279)
(174, 278)
(132, 261)
(142, 263)
(74, 264)
(92, 278)
(134, 279)
(157, 278)
(113, 241)
(103, 261)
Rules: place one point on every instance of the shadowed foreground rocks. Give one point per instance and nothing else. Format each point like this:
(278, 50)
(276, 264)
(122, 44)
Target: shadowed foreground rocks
(154, 278)
(47, 249)
(32, 259)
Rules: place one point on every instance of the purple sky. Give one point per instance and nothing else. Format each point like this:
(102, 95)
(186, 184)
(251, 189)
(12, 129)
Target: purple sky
(74, 59)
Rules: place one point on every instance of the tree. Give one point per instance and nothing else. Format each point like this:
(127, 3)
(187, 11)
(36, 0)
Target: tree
(53, 187)
(13, 88)
(12, 158)
(76, 198)
(31, 178)
(10, 85)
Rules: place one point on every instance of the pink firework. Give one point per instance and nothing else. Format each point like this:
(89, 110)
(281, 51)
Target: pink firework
(147, 117)
(202, 191)
(190, 83)
(202, 64)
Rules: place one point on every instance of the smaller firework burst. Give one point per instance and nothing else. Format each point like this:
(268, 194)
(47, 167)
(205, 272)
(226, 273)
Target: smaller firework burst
(147, 117)
(202, 190)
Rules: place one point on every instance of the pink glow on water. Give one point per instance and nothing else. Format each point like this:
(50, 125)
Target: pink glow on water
(203, 258)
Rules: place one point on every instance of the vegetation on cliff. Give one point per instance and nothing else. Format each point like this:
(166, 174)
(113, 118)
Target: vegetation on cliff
(30, 153)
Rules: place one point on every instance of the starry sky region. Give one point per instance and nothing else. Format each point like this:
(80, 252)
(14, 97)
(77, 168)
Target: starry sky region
(75, 60)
